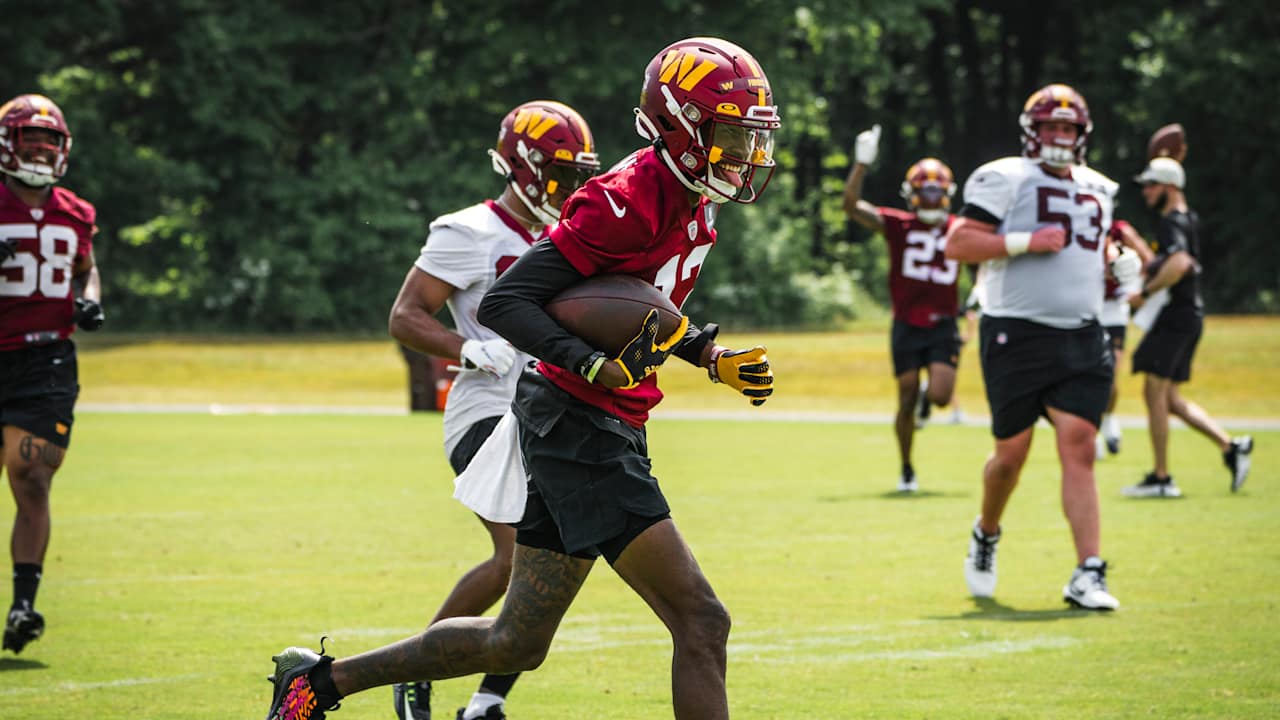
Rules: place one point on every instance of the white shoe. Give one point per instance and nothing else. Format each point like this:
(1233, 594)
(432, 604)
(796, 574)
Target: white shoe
(1099, 447)
(1152, 486)
(1111, 434)
(980, 564)
(1088, 587)
(1238, 459)
(908, 483)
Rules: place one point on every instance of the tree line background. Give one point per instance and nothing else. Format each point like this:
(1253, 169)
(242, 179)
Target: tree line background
(274, 166)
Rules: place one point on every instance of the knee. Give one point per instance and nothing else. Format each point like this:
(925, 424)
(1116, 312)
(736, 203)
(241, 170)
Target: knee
(1004, 467)
(31, 484)
(706, 625)
(515, 652)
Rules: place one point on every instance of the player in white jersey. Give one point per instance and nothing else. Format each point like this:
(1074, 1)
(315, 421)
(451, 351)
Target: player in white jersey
(1038, 224)
(544, 152)
(1127, 254)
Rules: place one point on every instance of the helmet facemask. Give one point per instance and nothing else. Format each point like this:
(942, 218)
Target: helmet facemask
(40, 154)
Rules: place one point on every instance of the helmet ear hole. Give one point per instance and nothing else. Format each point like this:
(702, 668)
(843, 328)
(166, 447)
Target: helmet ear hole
(666, 124)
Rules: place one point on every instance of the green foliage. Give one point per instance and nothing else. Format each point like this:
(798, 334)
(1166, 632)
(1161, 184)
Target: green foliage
(273, 166)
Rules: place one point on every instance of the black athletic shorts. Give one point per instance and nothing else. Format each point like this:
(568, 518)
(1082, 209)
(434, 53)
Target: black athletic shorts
(590, 488)
(1117, 334)
(1167, 350)
(1028, 367)
(38, 390)
(916, 347)
(470, 443)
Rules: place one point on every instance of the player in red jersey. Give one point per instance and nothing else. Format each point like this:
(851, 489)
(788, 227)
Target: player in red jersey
(48, 285)
(707, 109)
(922, 284)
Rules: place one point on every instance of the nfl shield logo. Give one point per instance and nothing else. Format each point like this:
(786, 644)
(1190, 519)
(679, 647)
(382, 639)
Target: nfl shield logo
(693, 230)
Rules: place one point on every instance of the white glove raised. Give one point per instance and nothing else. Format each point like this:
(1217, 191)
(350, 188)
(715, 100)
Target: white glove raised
(494, 357)
(867, 146)
(1126, 267)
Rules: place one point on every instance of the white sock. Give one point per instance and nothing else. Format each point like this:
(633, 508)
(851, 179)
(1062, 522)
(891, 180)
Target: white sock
(481, 702)
(1110, 426)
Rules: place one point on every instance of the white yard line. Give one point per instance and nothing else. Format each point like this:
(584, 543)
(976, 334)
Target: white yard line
(851, 418)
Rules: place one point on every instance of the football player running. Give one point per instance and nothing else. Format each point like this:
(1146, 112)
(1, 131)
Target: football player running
(706, 109)
(544, 152)
(48, 285)
(1038, 224)
(922, 285)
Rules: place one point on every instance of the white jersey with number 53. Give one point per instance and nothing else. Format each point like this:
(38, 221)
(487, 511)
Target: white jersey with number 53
(1062, 289)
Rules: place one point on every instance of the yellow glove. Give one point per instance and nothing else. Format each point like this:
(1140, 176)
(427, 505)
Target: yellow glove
(746, 371)
(644, 354)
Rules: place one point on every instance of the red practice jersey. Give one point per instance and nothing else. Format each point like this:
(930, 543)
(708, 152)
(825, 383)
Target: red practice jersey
(633, 220)
(922, 281)
(35, 284)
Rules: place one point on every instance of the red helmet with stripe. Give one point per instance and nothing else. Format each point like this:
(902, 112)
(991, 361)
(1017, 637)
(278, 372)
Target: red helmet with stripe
(1060, 103)
(928, 188)
(707, 108)
(34, 140)
(545, 152)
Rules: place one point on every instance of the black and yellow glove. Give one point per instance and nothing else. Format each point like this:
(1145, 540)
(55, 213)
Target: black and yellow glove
(746, 371)
(645, 354)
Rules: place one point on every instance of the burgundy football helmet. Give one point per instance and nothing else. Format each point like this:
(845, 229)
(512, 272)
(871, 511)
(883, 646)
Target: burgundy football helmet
(928, 188)
(30, 156)
(707, 108)
(1049, 103)
(545, 152)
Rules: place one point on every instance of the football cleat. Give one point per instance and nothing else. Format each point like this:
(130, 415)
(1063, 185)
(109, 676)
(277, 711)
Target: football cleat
(1088, 587)
(980, 564)
(923, 406)
(413, 700)
(1111, 434)
(493, 712)
(1238, 459)
(23, 625)
(908, 482)
(1152, 486)
(294, 698)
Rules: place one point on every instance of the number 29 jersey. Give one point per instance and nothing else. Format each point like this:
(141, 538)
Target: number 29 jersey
(922, 281)
(1062, 289)
(35, 284)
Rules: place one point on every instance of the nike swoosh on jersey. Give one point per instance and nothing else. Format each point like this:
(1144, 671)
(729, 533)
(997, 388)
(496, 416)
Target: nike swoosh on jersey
(619, 211)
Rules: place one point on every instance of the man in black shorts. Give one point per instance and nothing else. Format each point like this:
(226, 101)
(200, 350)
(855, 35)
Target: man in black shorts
(922, 285)
(49, 284)
(1166, 351)
(1038, 224)
(706, 111)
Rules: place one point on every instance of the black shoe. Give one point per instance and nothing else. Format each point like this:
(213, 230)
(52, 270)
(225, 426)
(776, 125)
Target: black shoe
(1237, 460)
(413, 700)
(493, 713)
(294, 698)
(23, 626)
(1152, 486)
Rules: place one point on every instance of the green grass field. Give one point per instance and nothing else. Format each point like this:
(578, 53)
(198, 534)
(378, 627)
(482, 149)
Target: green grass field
(188, 548)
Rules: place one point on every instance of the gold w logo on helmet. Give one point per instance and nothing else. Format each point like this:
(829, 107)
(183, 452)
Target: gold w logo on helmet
(681, 66)
(533, 123)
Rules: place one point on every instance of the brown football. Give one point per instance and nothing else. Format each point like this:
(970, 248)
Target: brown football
(607, 311)
(1168, 141)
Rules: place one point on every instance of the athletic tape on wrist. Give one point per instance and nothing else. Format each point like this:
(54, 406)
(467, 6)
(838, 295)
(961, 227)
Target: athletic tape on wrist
(1016, 243)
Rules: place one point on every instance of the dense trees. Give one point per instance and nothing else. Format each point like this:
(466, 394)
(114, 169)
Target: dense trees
(272, 166)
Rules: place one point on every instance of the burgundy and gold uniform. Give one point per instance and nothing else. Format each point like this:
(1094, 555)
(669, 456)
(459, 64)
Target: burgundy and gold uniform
(922, 281)
(36, 298)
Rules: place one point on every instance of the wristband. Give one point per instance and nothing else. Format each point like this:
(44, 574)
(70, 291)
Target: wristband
(1016, 243)
(591, 366)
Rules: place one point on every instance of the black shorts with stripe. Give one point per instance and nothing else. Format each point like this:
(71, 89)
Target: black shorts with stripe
(1028, 367)
(39, 385)
(591, 491)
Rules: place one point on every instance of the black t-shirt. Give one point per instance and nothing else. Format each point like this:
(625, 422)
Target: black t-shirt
(1180, 231)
